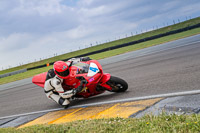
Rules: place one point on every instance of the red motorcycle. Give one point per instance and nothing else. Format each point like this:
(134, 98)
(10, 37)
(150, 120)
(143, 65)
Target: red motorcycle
(91, 71)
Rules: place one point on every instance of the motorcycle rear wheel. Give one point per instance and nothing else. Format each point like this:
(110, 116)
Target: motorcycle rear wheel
(117, 84)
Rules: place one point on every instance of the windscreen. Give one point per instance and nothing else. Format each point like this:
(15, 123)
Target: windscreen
(82, 67)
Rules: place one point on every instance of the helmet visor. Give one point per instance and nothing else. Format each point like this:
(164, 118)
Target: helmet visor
(64, 73)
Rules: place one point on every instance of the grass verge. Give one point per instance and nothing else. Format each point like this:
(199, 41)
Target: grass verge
(147, 124)
(107, 54)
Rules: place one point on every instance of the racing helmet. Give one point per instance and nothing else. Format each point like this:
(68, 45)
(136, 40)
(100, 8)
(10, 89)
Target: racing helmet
(61, 69)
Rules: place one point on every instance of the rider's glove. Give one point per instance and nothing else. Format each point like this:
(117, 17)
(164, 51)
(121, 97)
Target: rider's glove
(84, 82)
(80, 87)
(69, 93)
(85, 59)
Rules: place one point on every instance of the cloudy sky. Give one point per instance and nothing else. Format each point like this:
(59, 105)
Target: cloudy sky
(36, 29)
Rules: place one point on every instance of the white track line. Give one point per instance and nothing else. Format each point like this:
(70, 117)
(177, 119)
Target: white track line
(114, 101)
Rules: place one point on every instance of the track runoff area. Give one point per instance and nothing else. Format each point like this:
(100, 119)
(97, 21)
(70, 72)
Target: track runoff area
(133, 102)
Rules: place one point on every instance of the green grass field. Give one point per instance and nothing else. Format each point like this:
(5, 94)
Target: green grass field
(147, 124)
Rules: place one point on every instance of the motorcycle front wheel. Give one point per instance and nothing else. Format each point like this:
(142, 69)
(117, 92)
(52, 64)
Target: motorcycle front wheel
(117, 84)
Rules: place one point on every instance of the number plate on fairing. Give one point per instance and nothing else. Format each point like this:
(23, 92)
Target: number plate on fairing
(93, 69)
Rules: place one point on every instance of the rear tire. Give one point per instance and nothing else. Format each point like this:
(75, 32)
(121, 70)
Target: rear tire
(117, 84)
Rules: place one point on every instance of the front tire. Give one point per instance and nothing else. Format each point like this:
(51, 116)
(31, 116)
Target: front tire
(117, 84)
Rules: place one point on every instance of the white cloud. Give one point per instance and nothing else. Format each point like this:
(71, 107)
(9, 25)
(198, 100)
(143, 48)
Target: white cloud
(85, 2)
(92, 12)
(170, 5)
(14, 42)
(79, 32)
(42, 7)
(189, 9)
(37, 17)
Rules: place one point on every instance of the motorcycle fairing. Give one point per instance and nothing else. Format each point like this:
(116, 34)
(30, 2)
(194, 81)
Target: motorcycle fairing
(93, 69)
(104, 79)
(40, 79)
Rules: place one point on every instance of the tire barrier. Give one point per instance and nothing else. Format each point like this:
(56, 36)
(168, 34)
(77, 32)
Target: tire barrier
(12, 73)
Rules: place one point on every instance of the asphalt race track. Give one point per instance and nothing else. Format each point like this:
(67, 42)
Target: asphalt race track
(166, 68)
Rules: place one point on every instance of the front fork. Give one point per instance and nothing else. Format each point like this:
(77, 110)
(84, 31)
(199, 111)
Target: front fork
(104, 79)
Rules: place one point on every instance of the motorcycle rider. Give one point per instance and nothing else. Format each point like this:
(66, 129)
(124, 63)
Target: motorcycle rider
(55, 77)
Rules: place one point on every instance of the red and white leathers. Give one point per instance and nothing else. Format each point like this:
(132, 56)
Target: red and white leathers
(53, 89)
(53, 85)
